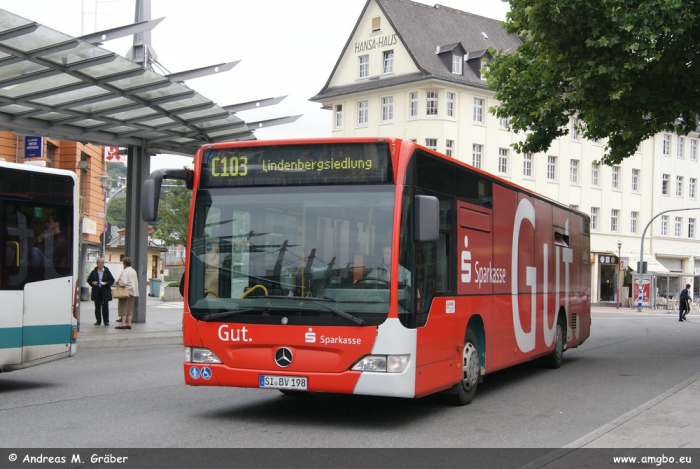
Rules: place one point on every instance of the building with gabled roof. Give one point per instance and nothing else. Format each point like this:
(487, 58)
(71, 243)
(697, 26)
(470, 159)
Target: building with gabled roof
(414, 71)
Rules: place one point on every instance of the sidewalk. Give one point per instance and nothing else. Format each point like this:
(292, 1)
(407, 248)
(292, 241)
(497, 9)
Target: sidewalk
(667, 421)
(163, 326)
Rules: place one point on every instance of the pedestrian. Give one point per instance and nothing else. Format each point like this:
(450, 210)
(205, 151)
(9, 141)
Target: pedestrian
(128, 278)
(101, 281)
(683, 303)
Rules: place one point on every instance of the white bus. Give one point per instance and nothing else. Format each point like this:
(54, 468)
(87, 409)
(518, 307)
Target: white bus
(38, 265)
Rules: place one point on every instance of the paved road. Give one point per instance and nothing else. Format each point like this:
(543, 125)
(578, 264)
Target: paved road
(134, 397)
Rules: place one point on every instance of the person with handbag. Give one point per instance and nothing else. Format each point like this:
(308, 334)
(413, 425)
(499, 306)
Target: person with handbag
(128, 279)
(101, 280)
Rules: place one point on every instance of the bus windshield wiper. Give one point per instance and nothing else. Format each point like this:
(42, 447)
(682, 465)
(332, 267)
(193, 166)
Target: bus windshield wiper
(230, 312)
(320, 302)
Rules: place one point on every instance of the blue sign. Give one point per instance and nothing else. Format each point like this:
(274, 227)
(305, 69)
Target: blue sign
(206, 372)
(194, 372)
(33, 146)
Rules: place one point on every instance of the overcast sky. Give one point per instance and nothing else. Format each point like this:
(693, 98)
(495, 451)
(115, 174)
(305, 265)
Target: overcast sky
(286, 47)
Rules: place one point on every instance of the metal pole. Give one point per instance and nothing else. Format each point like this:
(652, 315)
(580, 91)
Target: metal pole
(641, 251)
(617, 276)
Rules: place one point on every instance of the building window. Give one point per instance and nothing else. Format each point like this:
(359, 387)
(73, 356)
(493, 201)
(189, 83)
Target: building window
(388, 109)
(503, 160)
(574, 206)
(338, 116)
(692, 184)
(449, 147)
(376, 24)
(450, 105)
(634, 222)
(594, 217)
(388, 62)
(664, 225)
(635, 180)
(432, 103)
(666, 149)
(431, 143)
(665, 181)
(503, 122)
(680, 147)
(478, 110)
(457, 64)
(527, 165)
(574, 128)
(364, 66)
(614, 217)
(679, 186)
(615, 177)
(477, 151)
(573, 171)
(691, 228)
(552, 168)
(595, 170)
(362, 112)
(678, 226)
(413, 104)
(485, 68)
(693, 149)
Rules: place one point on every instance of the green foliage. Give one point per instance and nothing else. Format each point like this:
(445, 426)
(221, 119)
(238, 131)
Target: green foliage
(115, 170)
(173, 284)
(626, 69)
(173, 214)
(116, 212)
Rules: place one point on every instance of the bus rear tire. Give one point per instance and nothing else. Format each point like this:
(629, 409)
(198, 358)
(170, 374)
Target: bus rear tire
(555, 359)
(463, 392)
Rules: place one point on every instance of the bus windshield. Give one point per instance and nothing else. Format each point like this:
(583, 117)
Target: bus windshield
(296, 255)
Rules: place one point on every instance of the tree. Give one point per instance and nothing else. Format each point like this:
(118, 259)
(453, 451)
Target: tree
(116, 212)
(626, 69)
(174, 214)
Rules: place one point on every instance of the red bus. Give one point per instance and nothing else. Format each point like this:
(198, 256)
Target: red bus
(371, 266)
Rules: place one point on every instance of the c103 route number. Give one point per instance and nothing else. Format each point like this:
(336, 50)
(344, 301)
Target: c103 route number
(231, 166)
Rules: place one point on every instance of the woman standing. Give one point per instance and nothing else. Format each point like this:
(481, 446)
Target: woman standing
(101, 281)
(128, 278)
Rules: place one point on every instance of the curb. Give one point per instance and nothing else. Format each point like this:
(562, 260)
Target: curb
(166, 338)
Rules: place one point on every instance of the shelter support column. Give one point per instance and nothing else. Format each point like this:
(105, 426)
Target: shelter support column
(136, 240)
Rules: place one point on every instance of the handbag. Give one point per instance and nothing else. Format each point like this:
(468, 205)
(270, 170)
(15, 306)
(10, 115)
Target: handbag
(120, 292)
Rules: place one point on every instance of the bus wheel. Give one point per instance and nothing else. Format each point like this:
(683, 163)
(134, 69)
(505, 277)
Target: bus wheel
(554, 359)
(464, 391)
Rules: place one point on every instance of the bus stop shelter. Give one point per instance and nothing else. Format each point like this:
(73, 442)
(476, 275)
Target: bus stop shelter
(69, 88)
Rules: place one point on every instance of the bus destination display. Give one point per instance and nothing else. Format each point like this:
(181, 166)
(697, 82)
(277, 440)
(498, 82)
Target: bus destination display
(346, 163)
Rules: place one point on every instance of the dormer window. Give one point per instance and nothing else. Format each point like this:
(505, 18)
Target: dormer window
(457, 64)
(452, 55)
(484, 68)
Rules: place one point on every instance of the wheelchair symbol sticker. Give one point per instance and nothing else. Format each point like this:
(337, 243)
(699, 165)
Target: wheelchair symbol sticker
(206, 372)
(194, 372)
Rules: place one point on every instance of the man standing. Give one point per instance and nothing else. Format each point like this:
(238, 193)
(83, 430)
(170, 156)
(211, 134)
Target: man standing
(683, 300)
(101, 281)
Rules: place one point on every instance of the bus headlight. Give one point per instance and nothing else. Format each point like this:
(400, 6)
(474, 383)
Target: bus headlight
(383, 363)
(200, 355)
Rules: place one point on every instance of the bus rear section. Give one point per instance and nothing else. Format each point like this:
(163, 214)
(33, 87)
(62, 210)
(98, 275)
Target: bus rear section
(372, 266)
(38, 321)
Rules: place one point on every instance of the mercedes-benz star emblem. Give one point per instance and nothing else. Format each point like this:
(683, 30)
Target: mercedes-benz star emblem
(283, 357)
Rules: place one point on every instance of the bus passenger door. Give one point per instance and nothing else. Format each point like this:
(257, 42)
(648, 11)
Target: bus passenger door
(434, 307)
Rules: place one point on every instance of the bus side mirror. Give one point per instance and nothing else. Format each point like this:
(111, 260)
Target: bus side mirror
(150, 191)
(427, 211)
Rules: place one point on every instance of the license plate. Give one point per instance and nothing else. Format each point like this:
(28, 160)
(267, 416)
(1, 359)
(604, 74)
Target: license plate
(284, 382)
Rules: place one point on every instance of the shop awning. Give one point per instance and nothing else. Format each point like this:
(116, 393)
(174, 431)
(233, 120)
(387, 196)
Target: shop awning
(653, 265)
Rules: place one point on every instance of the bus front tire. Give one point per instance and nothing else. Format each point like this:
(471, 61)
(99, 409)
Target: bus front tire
(463, 392)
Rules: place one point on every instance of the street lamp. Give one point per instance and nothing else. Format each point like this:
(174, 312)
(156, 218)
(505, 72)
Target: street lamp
(106, 185)
(619, 246)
